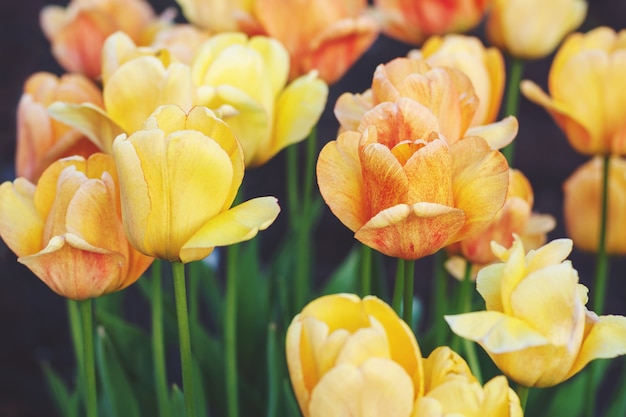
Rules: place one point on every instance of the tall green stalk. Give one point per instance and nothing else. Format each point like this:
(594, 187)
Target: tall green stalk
(366, 271)
(76, 331)
(398, 291)
(184, 338)
(522, 393)
(467, 289)
(512, 100)
(440, 290)
(91, 393)
(230, 332)
(407, 310)
(158, 344)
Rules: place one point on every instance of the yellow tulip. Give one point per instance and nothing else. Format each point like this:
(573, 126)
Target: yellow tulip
(483, 66)
(582, 191)
(447, 92)
(216, 15)
(179, 176)
(68, 228)
(250, 76)
(404, 190)
(450, 388)
(536, 327)
(531, 29)
(353, 357)
(42, 140)
(588, 91)
(78, 31)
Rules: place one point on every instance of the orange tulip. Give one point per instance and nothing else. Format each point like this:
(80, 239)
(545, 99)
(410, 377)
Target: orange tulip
(329, 36)
(68, 228)
(403, 189)
(42, 140)
(447, 92)
(78, 31)
(582, 191)
(411, 21)
(588, 90)
(515, 218)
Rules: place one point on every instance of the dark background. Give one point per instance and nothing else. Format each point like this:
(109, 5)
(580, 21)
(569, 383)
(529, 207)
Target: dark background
(33, 324)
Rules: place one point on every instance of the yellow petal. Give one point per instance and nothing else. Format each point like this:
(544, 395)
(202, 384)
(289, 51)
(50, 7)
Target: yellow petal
(275, 60)
(498, 134)
(236, 225)
(21, 227)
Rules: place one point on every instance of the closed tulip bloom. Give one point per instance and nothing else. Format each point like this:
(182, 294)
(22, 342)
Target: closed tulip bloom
(249, 75)
(483, 66)
(582, 192)
(78, 31)
(592, 114)
(532, 29)
(536, 327)
(404, 190)
(451, 389)
(411, 21)
(447, 92)
(353, 357)
(515, 218)
(68, 229)
(42, 140)
(179, 176)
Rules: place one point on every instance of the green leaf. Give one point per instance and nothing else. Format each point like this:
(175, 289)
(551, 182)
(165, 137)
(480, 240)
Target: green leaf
(66, 402)
(618, 403)
(178, 402)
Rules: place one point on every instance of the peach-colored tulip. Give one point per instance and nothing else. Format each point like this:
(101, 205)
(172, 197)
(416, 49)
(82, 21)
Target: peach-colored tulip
(78, 31)
(179, 176)
(42, 140)
(411, 21)
(68, 228)
(404, 190)
(447, 92)
(515, 218)
(536, 327)
(182, 41)
(532, 29)
(588, 91)
(483, 66)
(329, 35)
(582, 200)
(354, 357)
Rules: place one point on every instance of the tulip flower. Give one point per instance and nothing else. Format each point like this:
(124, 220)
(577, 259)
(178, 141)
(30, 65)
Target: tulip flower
(216, 15)
(582, 191)
(532, 29)
(403, 189)
(78, 31)
(483, 66)
(536, 327)
(352, 356)
(42, 140)
(250, 76)
(447, 92)
(179, 176)
(68, 229)
(591, 115)
(411, 21)
(450, 388)
(515, 218)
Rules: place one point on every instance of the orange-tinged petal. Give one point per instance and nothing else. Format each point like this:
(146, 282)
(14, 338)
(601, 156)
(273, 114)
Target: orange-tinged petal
(236, 225)
(429, 174)
(21, 227)
(349, 108)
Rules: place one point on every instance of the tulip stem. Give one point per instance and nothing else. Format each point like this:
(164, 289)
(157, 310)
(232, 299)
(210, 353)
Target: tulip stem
(73, 311)
(522, 393)
(601, 276)
(158, 345)
(91, 394)
(230, 332)
(440, 307)
(273, 373)
(407, 309)
(466, 306)
(366, 270)
(184, 338)
(512, 100)
(396, 303)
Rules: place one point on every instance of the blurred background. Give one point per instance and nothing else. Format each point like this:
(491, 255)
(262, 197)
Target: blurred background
(33, 322)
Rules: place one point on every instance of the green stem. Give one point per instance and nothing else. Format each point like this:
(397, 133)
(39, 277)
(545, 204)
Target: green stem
(467, 289)
(91, 394)
(158, 344)
(230, 332)
(273, 379)
(366, 270)
(440, 306)
(512, 100)
(602, 259)
(399, 288)
(73, 312)
(407, 310)
(184, 339)
(522, 393)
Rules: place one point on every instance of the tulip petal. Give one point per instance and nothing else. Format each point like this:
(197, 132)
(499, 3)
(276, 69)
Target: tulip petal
(350, 108)
(495, 331)
(236, 225)
(379, 387)
(21, 227)
(498, 134)
(428, 172)
(365, 343)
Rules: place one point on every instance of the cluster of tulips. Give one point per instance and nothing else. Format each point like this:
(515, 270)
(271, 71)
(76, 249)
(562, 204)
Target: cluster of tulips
(137, 155)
